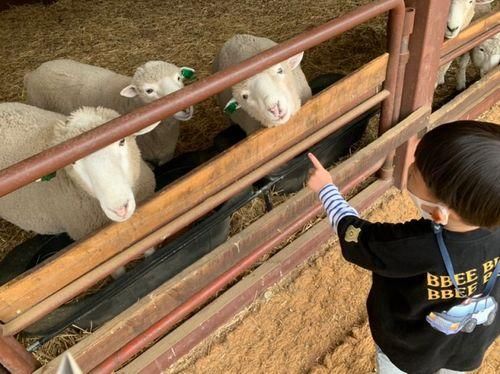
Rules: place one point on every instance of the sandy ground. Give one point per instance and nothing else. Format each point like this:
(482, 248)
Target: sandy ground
(309, 325)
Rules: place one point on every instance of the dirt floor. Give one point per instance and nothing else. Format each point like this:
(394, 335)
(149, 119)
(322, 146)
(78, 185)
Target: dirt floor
(121, 35)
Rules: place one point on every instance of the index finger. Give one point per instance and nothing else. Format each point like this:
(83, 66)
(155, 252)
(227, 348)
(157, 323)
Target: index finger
(315, 161)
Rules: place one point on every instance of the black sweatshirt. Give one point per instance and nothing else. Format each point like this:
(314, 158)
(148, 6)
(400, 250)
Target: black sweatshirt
(410, 283)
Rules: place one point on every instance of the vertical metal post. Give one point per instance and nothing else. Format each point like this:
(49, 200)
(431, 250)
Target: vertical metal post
(389, 117)
(15, 358)
(421, 72)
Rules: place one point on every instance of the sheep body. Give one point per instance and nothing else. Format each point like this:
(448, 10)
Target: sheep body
(59, 205)
(293, 86)
(65, 85)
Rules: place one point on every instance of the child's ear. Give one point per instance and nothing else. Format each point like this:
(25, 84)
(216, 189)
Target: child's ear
(440, 215)
(436, 214)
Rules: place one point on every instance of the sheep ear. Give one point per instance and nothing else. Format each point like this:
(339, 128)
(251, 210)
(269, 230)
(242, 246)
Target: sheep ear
(147, 129)
(188, 73)
(294, 61)
(129, 91)
(231, 106)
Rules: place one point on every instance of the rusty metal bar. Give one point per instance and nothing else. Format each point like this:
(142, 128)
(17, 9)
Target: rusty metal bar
(395, 37)
(387, 169)
(63, 154)
(14, 357)
(241, 295)
(67, 293)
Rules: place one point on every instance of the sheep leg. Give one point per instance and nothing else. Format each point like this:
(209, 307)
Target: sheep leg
(442, 73)
(463, 62)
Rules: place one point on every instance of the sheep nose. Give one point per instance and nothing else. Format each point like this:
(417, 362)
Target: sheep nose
(122, 211)
(275, 109)
(450, 29)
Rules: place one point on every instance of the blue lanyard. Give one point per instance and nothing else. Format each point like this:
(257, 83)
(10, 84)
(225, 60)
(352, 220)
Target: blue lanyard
(438, 231)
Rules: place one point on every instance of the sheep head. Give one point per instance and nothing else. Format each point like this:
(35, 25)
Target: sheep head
(156, 79)
(459, 17)
(110, 173)
(271, 96)
(486, 56)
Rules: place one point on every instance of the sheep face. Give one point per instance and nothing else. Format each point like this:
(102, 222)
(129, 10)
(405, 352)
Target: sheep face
(109, 173)
(459, 17)
(156, 79)
(271, 96)
(487, 55)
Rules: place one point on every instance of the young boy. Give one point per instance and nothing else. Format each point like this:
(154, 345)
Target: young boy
(427, 313)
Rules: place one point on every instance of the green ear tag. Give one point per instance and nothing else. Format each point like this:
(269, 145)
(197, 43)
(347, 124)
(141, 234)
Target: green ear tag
(47, 177)
(188, 73)
(232, 106)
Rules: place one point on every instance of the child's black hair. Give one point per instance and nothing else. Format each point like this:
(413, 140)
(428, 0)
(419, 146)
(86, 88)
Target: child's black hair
(460, 164)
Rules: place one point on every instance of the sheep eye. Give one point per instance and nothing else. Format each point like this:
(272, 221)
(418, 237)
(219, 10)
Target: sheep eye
(179, 78)
(121, 143)
(280, 71)
(244, 96)
(481, 49)
(149, 91)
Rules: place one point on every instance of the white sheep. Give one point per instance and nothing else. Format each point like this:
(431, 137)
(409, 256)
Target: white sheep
(486, 56)
(82, 196)
(267, 99)
(461, 14)
(65, 85)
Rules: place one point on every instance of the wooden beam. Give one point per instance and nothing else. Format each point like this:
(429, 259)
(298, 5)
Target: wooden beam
(33, 287)
(147, 311)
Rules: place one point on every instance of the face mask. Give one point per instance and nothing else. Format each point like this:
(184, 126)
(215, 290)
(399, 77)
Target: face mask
(419, 202)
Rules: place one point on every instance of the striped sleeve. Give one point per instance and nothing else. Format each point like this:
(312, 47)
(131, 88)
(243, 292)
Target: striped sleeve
(335, 205)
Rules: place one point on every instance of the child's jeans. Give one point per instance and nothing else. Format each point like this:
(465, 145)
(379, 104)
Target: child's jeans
(385, 366)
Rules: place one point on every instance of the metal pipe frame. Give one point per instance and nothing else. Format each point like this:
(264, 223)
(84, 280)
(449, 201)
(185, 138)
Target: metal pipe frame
(387, 169)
